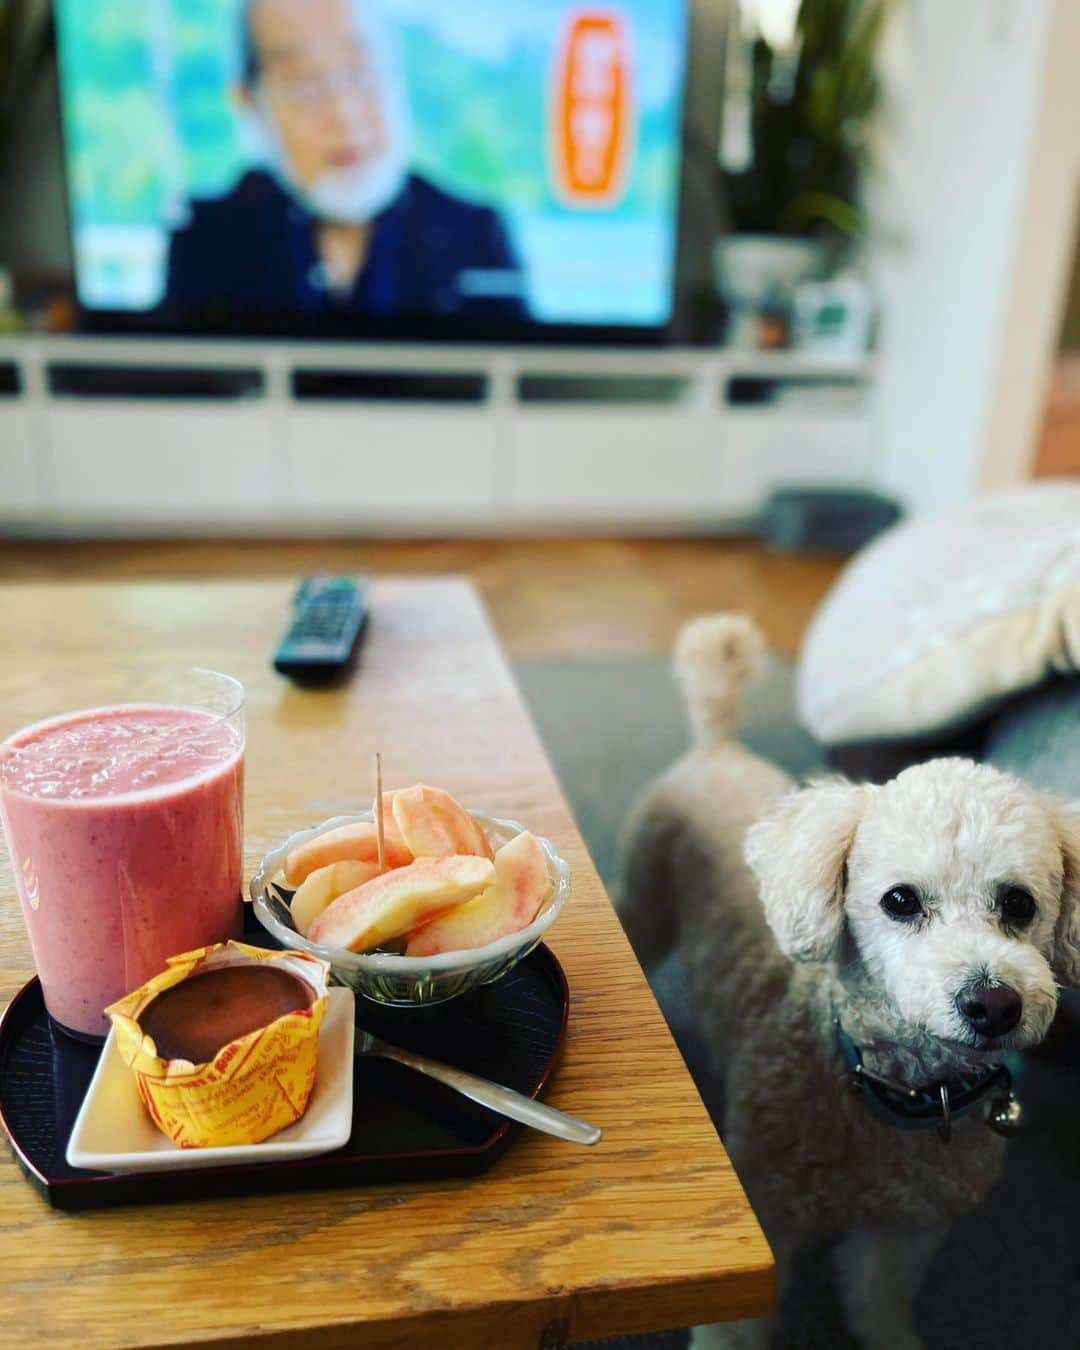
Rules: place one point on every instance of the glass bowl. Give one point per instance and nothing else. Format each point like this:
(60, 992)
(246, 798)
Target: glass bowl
(406, 981)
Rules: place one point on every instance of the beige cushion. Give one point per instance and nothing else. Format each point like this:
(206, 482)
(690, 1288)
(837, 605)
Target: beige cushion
(944, 615)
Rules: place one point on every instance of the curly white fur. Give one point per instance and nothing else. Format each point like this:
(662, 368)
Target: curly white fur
(780, 939)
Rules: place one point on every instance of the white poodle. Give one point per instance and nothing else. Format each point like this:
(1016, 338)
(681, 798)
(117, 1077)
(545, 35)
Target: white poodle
(860, 958)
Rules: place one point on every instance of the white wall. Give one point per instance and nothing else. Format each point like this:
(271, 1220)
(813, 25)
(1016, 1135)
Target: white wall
(975, 201)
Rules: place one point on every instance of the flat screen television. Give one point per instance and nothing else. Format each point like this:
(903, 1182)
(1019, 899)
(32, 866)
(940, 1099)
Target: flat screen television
(414, 168)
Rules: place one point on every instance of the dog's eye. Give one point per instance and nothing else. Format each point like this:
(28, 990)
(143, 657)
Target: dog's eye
(901, 902)
(1017, 905)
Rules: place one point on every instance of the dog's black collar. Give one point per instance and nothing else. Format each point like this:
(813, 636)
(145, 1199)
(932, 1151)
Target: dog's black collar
(929, 1108)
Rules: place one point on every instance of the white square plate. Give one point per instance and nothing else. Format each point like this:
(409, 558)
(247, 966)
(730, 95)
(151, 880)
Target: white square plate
(113, 1132)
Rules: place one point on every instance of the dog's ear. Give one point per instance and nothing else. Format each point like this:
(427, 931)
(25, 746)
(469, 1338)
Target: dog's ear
(798, 852)
(1066, 961)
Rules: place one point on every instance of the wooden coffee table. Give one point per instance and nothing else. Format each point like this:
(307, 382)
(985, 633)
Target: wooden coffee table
(556, 1243)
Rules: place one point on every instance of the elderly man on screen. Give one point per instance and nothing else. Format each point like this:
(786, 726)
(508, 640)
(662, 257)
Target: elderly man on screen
(336, 223)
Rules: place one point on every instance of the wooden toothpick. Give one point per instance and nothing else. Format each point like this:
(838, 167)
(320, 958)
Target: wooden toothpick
(378, 807)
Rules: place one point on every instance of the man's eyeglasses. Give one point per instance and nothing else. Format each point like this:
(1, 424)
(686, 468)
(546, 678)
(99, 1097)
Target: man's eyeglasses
(315, 90)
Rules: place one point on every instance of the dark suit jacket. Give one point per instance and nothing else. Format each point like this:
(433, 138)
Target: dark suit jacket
(253, 251)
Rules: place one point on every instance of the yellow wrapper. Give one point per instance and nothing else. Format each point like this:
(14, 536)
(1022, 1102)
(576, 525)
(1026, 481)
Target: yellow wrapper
(255, 1086)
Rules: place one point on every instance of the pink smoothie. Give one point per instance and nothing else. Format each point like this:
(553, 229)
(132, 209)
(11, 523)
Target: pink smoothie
(125, 829)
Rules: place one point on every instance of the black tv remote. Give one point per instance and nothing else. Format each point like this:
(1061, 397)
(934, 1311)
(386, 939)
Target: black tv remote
(329, 616)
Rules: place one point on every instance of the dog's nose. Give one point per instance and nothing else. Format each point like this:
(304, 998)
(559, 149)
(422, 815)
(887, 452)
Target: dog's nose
(991, 1009)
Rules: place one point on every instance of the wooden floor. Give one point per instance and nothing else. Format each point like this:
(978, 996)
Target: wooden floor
(549, 598)
(1058, 451)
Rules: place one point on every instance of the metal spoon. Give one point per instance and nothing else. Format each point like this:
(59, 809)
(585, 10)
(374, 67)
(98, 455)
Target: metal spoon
(504, 1100)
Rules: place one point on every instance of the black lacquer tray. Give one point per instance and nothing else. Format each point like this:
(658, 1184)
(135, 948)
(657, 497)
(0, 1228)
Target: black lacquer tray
(405, 1126)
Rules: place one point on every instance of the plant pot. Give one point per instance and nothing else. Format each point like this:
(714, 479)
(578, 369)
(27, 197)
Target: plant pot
(758, 271)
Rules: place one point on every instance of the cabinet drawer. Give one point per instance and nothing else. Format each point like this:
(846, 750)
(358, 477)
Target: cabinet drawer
(161, 461)
(602, 465)
(366, 464)
(19, 491)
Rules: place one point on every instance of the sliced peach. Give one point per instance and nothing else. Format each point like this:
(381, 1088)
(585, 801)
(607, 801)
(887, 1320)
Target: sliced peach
(390, 828)
(433, 824)
(325, 884)
(355, 843)
(399, 901)
(521, 886)
(388, 812)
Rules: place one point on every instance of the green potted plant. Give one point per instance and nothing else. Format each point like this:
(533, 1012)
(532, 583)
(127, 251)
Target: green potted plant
(799, 108)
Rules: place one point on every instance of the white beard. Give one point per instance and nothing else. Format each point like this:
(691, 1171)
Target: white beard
(352, 196)
(339, 196)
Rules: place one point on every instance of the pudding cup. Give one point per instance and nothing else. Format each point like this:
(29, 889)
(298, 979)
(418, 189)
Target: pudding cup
(250, 1087)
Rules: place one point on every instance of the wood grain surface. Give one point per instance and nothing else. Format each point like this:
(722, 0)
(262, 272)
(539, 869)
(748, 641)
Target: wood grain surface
(572, 598)
(649, 1229)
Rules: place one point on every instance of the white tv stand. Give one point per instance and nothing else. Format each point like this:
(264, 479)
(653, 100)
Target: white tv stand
(140, 436)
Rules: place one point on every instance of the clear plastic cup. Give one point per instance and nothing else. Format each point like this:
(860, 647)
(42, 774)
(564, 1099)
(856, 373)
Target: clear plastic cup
(124, 822)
